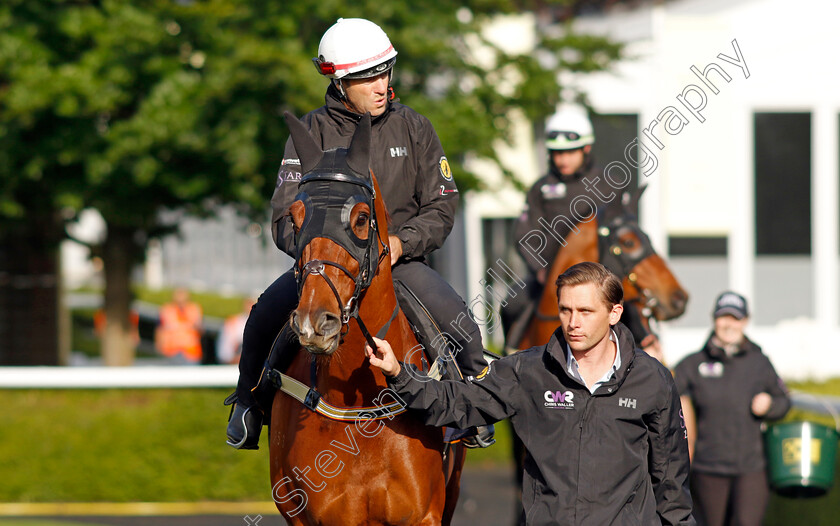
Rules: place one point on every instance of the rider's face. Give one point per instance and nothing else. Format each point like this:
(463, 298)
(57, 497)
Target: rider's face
(569, 161)
(368, 95)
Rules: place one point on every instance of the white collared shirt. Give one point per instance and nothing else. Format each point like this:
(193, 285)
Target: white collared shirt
(574, 370)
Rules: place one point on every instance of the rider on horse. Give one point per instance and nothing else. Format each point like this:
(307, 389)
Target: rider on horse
(418, 190)
(571, 169)
(571, 190)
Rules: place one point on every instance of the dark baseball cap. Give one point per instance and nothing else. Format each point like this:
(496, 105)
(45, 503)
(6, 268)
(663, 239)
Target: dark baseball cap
(731, 303)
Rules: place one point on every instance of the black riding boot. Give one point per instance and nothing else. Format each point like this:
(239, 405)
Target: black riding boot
(250, 402)
(244, 424)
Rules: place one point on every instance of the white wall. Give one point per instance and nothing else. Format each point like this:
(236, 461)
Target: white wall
(704, 183)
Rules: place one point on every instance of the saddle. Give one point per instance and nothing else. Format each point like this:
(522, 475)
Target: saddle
(436, 346)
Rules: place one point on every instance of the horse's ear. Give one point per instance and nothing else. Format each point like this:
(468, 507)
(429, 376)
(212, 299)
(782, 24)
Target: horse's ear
(358, 156)
(308, 151)
(630, 200)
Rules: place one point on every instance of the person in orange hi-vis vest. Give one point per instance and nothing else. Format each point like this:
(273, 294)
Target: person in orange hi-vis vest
(180, 328)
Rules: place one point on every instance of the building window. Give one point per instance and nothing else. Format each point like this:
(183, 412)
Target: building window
(697, 246)
(782, 183)
(783, 266)
(613, 132)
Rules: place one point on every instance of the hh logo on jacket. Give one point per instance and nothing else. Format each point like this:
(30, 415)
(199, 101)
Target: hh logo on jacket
(627, 402)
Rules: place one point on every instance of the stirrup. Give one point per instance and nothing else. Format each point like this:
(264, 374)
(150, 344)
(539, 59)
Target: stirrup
(244, 425)
(484, 437)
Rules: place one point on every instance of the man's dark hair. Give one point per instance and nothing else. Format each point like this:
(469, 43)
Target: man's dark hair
(590, 272)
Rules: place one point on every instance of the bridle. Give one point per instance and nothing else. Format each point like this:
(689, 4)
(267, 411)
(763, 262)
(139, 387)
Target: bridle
(623, 262)
(368, 253)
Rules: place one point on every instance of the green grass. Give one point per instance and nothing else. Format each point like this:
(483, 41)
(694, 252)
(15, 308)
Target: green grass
(213, 305)
(167, 445)
(124, 445)
(161, 445)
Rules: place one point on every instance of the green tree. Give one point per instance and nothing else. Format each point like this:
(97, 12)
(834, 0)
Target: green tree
(150, 110)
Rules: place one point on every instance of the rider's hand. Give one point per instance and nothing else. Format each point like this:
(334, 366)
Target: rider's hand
(396, 249)
(383, 357)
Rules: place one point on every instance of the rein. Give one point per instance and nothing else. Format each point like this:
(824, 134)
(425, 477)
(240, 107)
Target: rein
(307, 395)
(312, 400)
(363, 279)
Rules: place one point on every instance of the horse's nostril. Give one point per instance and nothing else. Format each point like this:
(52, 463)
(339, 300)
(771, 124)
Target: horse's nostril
(679, 298)
(328, 324)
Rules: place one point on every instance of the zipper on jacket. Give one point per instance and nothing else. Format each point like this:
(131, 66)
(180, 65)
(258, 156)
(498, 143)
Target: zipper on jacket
(583, 417)
(585, 414)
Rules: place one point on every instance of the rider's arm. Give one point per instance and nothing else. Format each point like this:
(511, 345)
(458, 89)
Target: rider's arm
(288, 177)
(436, 193)
(526, 224)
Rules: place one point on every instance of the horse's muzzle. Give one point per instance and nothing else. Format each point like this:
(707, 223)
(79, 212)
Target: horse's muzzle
(674, 308)
(320, 337)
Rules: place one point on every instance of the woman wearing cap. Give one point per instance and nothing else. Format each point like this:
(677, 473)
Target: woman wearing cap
(727, 390)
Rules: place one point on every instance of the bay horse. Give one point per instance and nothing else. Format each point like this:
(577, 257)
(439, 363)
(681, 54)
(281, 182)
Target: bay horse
(615, 240)
(349, 454)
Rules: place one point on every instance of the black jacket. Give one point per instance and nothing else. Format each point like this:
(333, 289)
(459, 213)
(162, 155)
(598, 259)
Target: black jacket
(408, 161)
(721, 388)
(618, 457)
(551, 197)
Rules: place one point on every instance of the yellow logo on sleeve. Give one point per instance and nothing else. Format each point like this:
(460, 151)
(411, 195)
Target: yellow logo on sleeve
(445, 170)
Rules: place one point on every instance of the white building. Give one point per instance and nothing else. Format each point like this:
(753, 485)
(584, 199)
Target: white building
(745, 195)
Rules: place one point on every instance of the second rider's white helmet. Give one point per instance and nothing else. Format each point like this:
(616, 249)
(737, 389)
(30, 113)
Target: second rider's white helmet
(354, 48)
(568, 129)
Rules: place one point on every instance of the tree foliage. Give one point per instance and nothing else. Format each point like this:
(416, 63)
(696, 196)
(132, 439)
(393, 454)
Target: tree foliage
(138, 107)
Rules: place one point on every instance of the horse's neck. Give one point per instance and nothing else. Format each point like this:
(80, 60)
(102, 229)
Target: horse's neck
(581, 246)
(347, 377)
(379, 300)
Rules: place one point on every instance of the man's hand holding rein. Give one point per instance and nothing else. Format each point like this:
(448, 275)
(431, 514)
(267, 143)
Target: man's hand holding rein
(383, 357)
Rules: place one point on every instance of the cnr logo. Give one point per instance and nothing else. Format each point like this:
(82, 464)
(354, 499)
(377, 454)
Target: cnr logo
(558, 396)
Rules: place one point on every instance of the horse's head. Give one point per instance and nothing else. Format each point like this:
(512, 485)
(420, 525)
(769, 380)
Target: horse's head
(627, 251)
(338, 243)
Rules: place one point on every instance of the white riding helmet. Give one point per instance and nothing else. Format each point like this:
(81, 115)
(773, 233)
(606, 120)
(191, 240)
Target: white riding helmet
(568, 129)
(354, 48)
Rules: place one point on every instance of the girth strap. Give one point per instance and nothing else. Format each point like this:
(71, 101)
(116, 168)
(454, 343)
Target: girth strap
(312, 400)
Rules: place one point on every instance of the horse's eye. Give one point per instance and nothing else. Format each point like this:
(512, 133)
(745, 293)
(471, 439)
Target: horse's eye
(362, 220)
(629, 243)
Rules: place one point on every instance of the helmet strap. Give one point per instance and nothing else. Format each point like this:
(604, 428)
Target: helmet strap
(340, 88)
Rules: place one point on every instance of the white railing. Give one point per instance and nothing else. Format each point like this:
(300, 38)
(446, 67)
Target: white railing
(118, 377)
